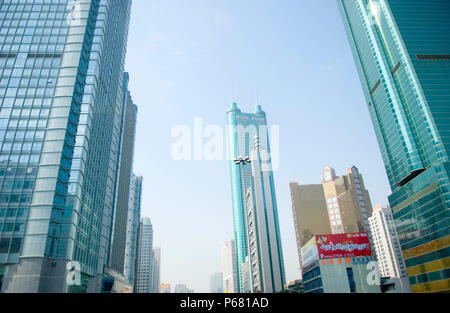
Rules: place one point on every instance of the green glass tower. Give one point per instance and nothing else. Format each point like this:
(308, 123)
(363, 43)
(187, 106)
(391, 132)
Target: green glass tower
(402, 53)
(243, 130)
(61, 67)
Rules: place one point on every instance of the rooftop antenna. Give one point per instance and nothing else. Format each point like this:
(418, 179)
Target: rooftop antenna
(233, 92)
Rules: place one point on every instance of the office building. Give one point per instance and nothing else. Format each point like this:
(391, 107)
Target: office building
(61, 67)
(338, 263)
(348, 201)
(216, 283)
(402, 54)
(310, 213)
(156, 270)
(118, 252)
(229, 268)
(243, 128)
(144, 268)
(181, 288)
(265, 265)
(134, 213)
(125, 167)
(338, 205)
(387, 246)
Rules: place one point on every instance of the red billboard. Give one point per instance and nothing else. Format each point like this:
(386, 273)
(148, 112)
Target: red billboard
(343, 245)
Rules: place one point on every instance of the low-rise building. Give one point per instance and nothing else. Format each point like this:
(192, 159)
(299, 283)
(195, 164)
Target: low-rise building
(339, 263)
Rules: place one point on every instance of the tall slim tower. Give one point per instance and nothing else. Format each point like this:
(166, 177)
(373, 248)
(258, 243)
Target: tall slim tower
(61, 67)
(216, 283)
(144, 267)
(402, 53)
(243, 128)
(265, 259)
(125, 170)
(134, 216)
(387, 246)
(156, 272)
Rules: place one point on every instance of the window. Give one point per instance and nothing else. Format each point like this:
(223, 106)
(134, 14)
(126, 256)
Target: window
(351, 280)
(4, 245)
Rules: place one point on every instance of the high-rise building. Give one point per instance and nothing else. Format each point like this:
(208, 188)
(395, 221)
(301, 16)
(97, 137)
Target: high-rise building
(310, 213)
(156, 272)
(134, 213)
(61, 67)
(125, 166)
(402, 52)
(144, 268)
(216, 283)
(181, 288)
(338, 205)
(265, 258)
(229, 268)
(122, 208)
(387, 246)
(243, 129)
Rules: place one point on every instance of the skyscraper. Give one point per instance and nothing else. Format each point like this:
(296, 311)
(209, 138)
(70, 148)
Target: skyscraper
(402, 53)
(348, 201)
(134, 214)
(126, 154)
(243, 128)
(265, 258)
(338, 205)
(387, 246)
(229, 268)
(144, 268)
(216, 283)
(156, 270)
(61, 67)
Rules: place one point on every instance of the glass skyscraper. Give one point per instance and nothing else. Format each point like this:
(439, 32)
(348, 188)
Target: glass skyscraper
(156, 270)
(144, 265)
(134, 216)
(61, 67)
(264, 263)
(402, 52)
(125, 170)
(243, 129)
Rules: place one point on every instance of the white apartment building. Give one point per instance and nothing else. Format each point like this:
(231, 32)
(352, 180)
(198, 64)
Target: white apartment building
(229, 268)
(387, 246)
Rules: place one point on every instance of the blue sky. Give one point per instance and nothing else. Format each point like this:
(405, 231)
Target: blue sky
(192, 59)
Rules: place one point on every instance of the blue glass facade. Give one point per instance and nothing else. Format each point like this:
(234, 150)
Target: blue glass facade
(61, 67)
(402, 52)
(242, 130)
(126, 155)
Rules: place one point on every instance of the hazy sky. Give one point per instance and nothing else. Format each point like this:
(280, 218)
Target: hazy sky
(192, 58)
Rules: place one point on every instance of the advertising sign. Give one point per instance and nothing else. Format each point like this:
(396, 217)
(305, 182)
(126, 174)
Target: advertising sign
(343, 246)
